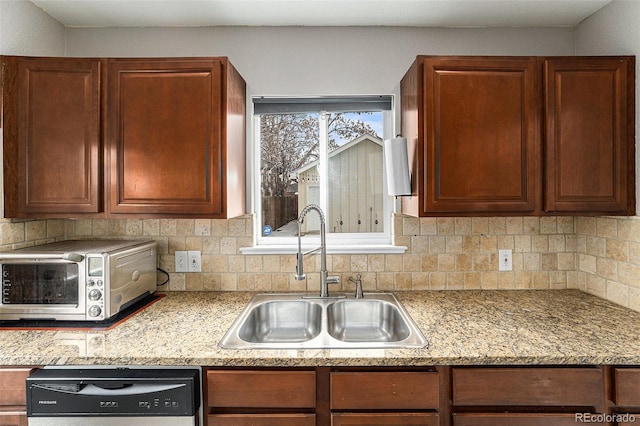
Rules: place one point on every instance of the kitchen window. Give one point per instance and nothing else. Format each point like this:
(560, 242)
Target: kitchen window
(325, 151)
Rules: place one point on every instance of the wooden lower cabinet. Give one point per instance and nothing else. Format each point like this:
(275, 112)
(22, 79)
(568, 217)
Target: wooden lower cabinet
(516, 419)
(261, 419)
(13, 419)
(384, 419)
(13, 410)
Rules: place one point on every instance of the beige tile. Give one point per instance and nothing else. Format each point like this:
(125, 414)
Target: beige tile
(634, 299)
(410, 226)
(472, 280)
(386, 281)
(134, 227)
(35, 230)
(177, 282)
(587, 263)
(498, 225)
(507, 242)
(617, 250)
(271, 263)
(471, 244)
(229, 282)
(549, 261)
(596, 285)
(488, 243)
(402, 281)
(376, 262)
(151, 226)
(359, 263)
(194, 282)
(515, 225)
(411, 263)
(531, 261)
(634, 253)
(168, 227)
(463, 225)
(455, 281)
(506, 280)
(393, 263)
(193, 243)
(454, 243)
(446, 226)
(211, 281)
(437, 281)
(586, 226)
(420, 244)
(548, 225)
(202, 227)
(481, 262)
(55, 228)
(246, 282)
(437, 244)
(540, 280)
(531, 225)
(489, 280)
(464, 262)
(420, 281)
(566, 224)
(220, 227)
(557, 243)
(429, 262)
(237, 264)
(629, 274)
(596, 246)
(618, 293)
(276, 282)
(480, 225)
(629, 229)
(607, 227)
(228, 245)
(522, 243)
(567, 261)
(607, 268)
(185, 227)
(524, 280)
(540, 243)
(557, 280)
(101, 228)
(177, 244)
(446, 262)
(428, 226)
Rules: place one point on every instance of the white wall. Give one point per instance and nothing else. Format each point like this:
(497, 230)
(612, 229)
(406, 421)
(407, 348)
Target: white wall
(317, 60)
(27, 30)
(615, 30)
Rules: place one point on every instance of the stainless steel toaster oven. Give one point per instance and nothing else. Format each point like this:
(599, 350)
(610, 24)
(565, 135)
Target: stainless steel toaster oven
(78, 280)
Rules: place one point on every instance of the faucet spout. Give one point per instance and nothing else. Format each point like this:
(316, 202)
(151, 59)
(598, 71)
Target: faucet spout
(324, 278)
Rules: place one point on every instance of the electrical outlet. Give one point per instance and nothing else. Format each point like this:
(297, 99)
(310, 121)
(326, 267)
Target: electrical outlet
(505, 260)
(195, 261)
(182, 263)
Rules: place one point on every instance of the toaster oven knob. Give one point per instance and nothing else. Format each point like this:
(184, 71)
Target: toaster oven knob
(95, 294)
(90, 283)
(95, 311)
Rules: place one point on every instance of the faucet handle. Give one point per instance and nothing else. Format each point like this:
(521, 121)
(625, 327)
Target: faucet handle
(334, 279)
(358, 281)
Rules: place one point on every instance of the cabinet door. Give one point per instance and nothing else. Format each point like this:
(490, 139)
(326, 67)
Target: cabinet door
(589, 135)
(261, 420)
(384, 419)
(55, 137)
(517, 420)
(13, 419)
(480, 147)
(165, 136)
(627, 386)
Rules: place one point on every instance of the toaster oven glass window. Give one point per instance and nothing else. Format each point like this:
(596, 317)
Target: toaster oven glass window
(43, 284)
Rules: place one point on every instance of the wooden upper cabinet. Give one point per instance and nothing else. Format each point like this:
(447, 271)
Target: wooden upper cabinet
(473, 131)
(52, 136)
(589, 135)
(176, 137)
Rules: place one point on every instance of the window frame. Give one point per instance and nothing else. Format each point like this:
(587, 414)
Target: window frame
(368, 242)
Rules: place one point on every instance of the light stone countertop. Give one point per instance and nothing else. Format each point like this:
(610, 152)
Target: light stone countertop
(542, 327)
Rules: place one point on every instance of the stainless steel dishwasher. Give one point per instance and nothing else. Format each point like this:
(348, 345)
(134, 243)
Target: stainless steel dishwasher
(113, 397)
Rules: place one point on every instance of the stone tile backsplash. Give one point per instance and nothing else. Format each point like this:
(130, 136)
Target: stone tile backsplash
(598, 255)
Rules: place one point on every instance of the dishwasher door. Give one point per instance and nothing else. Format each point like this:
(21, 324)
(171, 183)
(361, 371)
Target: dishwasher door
(113, 397)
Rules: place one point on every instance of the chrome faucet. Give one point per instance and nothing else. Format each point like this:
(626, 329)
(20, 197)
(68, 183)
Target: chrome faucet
(325, 280)
(358, 282)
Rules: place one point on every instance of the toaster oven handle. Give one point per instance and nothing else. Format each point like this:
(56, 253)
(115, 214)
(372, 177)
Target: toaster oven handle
(74, 257)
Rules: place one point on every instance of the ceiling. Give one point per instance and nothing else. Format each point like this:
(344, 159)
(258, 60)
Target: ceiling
(410, 13)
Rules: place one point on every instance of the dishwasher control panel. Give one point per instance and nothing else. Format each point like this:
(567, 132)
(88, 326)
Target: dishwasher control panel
(113, 391)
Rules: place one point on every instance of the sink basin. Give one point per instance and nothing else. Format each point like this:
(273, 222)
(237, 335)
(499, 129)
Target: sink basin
(366, 321)
(282, 321)
(303, 321)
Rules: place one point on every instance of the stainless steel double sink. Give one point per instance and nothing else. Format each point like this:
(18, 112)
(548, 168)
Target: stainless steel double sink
(302, 321)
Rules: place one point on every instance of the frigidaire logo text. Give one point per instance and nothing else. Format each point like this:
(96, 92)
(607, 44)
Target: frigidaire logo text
(47, 402)
(108, 404)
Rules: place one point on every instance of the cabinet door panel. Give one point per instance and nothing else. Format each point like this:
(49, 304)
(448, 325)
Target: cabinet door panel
(261, 420)
(384, 390)
(481, 139)
(165, 136)
(528, 387)
(384, 419)
(13, 419)
(516, 420)
(261, 389)
(59, 149)
(12, 386)
(627, 386)
(587, 135)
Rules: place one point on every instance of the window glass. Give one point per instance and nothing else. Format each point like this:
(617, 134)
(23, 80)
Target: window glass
(333, 159)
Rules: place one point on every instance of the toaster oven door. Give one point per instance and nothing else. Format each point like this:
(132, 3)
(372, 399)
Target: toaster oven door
(49, 289)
